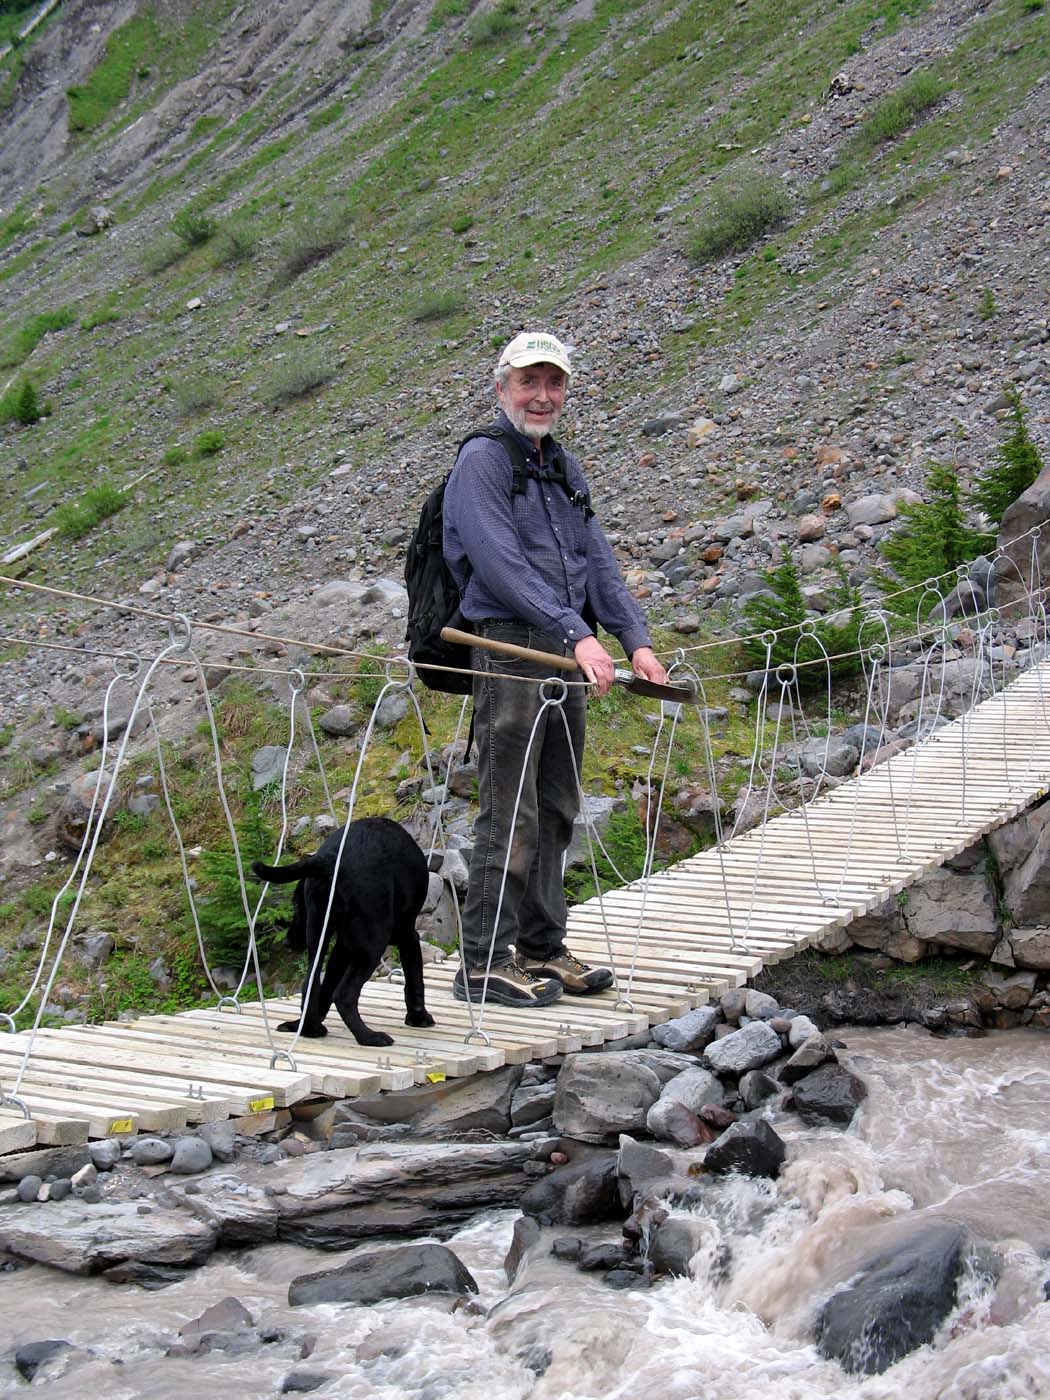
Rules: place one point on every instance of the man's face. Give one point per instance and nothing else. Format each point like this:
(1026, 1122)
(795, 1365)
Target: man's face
(533, 398)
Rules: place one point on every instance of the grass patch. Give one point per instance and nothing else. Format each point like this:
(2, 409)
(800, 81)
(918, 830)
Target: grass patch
(77, 519)
(298, 376)
(32, 331)
(209, 443)
(743, 208)
(443, 10)
(123, 63)
(438, 306)
(235, 243)
(195, 395)
(495, 26)
(192, 227)
(159, 256)
(103, 315)
(900, 110)
(312, 244)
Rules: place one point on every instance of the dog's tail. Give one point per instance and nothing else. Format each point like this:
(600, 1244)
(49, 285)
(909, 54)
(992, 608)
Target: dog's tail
(285, 874)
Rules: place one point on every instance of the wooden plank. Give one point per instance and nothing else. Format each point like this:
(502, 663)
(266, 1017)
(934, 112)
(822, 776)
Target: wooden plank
(170, 1056)
(101, 1119)
(16, 1132)
(69, 1090)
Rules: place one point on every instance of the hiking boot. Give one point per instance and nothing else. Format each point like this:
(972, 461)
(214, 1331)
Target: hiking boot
(509, 984)
(576, 977)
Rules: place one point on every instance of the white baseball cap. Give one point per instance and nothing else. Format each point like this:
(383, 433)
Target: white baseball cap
(533, 348)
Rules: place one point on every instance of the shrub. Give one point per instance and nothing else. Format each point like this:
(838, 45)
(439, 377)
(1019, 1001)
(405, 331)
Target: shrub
(461, 223)
(221, 907)
(986, 304)
(740, 211)
(310, 245)
(899, 110)
(102, 316)
(495, 25)
(195, 394)
(1018, 466)
(32, 331)
(208, 443)
(931, 543)
(77, 518)
(161, 255)
(175, 456)
(236, 243)
(298, 375)
(437, 305)
(786, 608)
(443, 10)
(192, 227)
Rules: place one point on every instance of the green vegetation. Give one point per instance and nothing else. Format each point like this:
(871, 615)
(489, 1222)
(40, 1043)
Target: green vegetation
(901, 109)
(103, 315)
(192, 227)
(123, 63)
(931, 542)
(236, 243)
(222, 917)
(32, 331)
(297, 376)
(742, 209)
(78, 518)
(312, 244)
(806, 639)
(209, 443)
(496, 26)
(443, 10)
(1019, 464)
(986, 304)
(438, 306)
(195, 394)
(21, 405)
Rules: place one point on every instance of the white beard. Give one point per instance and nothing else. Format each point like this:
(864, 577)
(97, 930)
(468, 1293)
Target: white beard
(528, 430)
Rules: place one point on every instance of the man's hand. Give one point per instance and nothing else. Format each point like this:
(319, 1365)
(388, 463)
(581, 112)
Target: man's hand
(645, 664)
(596, 663)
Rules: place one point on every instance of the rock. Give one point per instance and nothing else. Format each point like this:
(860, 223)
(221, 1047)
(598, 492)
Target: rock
(833, 756)
(756, 1087)
(181, 554)
(403, 1272)
(831, 1092)
(392, 709)
(531, 1103)
(76, 808)
(811, 528)
(1016, 575)
(151, 1151)
(595, 812)
(872, 510)
(693, 1031)
(799, 1031)
(750, 1147)
(228, 1315)
(82, 1239)
(1030, 948)
(695, 1088)
(267, 765)
(192, 1154)
(526, 1233)
(221, 1137)
(953, 908)
(340, 721)
(601, 1095)
(581, 1193)
(105, 1153)
(750, 1047)
(607, 1254)
(676, 1240)
(638, 1167)
(303, 1382)
(671, 1121)
(30, 1356)
(895, 1301)
(760, 1006)
(813, 1051)
(28, 1188)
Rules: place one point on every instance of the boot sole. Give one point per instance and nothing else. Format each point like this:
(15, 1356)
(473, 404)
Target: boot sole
(602, 986)
(495, 996)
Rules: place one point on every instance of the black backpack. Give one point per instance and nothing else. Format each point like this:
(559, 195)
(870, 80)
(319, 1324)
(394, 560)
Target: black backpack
(433, 597)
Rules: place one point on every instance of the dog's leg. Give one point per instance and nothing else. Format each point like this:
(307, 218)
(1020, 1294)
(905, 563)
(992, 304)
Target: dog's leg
(407, 943)
(347, 995)
(314, 1008)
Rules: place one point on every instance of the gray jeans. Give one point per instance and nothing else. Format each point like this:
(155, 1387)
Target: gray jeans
(532, 914)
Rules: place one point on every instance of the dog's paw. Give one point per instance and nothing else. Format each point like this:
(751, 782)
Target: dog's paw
(311, 1031)
(373, 1038)
(419, 1018)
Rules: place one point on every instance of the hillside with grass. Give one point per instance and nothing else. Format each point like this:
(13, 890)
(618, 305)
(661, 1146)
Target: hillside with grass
(256, 262)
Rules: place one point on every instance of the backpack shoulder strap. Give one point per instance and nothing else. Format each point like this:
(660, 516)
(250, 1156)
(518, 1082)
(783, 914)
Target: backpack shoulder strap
(514, 451)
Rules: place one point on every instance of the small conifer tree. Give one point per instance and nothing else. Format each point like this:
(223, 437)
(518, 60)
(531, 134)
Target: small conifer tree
(786, 609)
(1018, 466)
(27, 407)
(933, 541)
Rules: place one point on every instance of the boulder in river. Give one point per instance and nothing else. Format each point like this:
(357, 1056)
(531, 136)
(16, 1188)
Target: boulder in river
(403, 1272)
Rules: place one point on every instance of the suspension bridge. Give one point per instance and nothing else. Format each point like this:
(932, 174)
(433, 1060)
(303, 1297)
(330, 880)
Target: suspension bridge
(831, 852)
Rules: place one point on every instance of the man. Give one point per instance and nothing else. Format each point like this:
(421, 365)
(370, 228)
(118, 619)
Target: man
(531, 566)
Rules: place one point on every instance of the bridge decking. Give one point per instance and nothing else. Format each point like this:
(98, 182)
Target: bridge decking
(711, 922)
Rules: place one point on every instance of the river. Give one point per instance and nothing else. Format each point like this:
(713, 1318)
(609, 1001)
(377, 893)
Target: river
(956, 1128)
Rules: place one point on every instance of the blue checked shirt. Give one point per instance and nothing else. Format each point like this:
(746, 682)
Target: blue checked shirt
(534, 558)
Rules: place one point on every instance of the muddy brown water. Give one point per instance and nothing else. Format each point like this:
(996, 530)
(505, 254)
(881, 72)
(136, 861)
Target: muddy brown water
(956, 1128)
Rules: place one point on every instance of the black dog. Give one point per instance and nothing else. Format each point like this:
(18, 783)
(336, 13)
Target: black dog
(380, 887)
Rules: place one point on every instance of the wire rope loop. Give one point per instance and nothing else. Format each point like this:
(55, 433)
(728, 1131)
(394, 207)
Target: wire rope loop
(184, 642)
(786, 674)
(554, 691)
(481, 1035)
(403, 680)
(807, 628)
(679, 658)
(877, 653)
(225, 1002)
(993, 617)
(8, 1022)
(1037, 532)
(768, 638)
(297, 680)
(131, 661)
(624, 1004)
(962, 572)
(13, 1100)
(286, 1056)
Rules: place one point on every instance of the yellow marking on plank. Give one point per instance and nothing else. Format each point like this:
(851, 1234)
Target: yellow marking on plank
(262, 1105)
